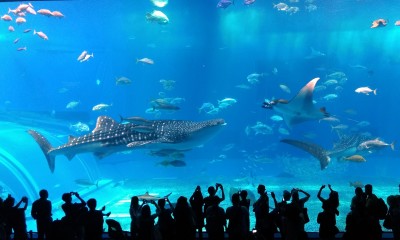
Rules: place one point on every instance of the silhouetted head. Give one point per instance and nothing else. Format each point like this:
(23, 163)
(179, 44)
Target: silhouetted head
(235, 199)
(66, 197)
(161, 203)
(286, 195)
(182, 202)
(295, 196)
(358, 191)
(9, 202)
(368, 189)
(134, 201)
(211, 190)
(92, 203)
(44, 194)
(261, 189)
(146, 211)
(243, 194)
(391, 201)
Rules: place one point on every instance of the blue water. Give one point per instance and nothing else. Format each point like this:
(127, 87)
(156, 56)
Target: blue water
(209, 53)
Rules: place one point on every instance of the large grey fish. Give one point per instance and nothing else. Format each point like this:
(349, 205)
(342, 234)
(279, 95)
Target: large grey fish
(300, 108)
(347, 145)
(110, 136)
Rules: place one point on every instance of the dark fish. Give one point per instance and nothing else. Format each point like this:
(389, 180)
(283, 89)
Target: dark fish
(175, 163)
(168, 153)
(300, 108)
(162, 104)
(224, 3)
(109, 137)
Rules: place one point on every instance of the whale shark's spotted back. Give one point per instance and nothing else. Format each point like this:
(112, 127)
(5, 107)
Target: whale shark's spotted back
(110, 136)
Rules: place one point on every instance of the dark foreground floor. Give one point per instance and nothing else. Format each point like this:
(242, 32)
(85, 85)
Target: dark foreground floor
(311, 235)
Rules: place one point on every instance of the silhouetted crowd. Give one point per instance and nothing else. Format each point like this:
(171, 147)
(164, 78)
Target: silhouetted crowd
(188, 216)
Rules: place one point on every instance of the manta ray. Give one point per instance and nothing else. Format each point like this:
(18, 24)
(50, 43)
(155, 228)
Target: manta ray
(300, 108)
(110, 137)
(347, 145)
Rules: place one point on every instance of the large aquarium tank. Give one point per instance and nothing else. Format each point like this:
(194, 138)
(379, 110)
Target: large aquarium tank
(161, 96)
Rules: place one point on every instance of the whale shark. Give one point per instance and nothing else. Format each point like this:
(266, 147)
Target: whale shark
(299, 109)
(347, 145)
(110, 137)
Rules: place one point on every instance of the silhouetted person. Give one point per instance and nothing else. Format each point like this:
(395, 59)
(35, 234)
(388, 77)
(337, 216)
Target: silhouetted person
(2, 220)
(278, 214)
(41, 212)
(184, 220)
(166, 223)
(93, 221)
(212, 198)
(238, 217)
(373, 227)
(215, 221)
(355, 219)
(245, 203)
(261, 210)
(15, 217)
(146, 222)
(197, 203)
(73, 213)
(394, 215)
(295, 218)
(115, 231)
(135, 211)
(327, 218)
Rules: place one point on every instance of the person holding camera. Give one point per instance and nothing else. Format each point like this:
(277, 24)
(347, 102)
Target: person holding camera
(15, 217)
(73, 213)
(197, 202)
(212, 198)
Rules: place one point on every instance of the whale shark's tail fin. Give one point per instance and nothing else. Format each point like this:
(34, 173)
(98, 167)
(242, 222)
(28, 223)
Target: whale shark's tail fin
(45, 146)
(317, 151)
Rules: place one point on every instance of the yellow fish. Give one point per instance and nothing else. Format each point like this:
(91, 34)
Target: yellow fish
(355, 158)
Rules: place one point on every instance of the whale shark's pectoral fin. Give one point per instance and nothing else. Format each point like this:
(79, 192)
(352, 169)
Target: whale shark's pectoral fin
(300, 108)
(317, 151)
(138, 144)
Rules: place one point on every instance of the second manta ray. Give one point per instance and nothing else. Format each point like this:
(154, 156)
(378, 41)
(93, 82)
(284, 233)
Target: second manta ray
(344, 148)
(110, 136)
(300, 108)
